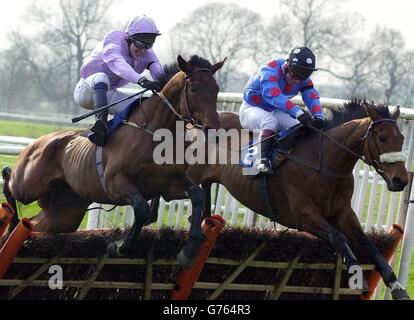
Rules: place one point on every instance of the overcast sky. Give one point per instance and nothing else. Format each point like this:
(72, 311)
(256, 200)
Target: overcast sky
(396, 13)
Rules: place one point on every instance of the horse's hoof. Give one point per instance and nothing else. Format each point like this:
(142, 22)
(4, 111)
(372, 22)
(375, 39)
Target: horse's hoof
(113, 249)
(185, 261)
(6, 173)
(400, 294)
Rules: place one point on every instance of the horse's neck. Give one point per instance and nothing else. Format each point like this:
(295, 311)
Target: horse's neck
(157, 112)
(349, 134)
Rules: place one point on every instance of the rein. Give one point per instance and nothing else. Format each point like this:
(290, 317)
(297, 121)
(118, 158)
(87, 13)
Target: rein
(318, 167)
(189, 120)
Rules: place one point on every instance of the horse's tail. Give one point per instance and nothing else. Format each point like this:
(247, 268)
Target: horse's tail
(6, 173)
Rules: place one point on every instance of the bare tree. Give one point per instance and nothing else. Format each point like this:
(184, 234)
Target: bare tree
(393, 61)
(76, 26)
(15, 78)
(272, 40)
(321, 24)
(215, 31)
(404, 94)
(317, 24)
(357, 69)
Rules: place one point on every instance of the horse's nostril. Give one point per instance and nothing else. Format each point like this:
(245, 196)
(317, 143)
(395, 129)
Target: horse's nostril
(396, 180)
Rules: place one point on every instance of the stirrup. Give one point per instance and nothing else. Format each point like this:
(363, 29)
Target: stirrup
(264, 166)
(100, 127)
(101, 132)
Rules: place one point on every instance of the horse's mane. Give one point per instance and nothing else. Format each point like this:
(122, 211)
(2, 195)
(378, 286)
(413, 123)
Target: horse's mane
(354, 110)
(171, 69)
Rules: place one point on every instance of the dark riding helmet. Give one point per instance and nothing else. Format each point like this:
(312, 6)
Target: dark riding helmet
(301, 62)
(142, 31)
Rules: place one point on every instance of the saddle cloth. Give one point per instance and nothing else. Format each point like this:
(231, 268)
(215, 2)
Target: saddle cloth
(117, 120)
(283, 141)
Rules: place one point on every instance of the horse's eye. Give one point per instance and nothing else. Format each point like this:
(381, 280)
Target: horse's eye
(382, 139)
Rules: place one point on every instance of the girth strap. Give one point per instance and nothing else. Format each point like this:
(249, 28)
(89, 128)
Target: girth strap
(265, 197)
(99, 166)
(315, 166)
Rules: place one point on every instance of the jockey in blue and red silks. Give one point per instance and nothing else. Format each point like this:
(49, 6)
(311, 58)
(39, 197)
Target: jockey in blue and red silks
(267, 105)
(117, 60)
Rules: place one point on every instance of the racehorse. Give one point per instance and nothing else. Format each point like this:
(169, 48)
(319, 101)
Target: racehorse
(60, 169)
(312, 189)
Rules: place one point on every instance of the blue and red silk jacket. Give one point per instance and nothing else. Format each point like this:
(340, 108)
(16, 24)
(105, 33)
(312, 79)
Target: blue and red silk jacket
(269, 90)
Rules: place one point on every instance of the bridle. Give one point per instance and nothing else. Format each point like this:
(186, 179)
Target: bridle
(188, 119)
(374, 163)
(364, 141)
(318, 166)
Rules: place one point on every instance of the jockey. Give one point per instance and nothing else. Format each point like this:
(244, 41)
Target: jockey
(267, 105)
(117, 60)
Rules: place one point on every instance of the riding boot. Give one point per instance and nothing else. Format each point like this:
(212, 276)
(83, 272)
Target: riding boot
(100, 127)
(263, 163)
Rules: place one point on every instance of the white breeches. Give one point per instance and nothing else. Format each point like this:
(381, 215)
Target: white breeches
(83, 94)
(256, 118)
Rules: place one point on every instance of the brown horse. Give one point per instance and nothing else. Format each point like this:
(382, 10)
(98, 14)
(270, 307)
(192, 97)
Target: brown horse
(319, 201)
(59, 169)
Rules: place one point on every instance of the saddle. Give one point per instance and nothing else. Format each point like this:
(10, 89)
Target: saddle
(283, 142)
(118, 119)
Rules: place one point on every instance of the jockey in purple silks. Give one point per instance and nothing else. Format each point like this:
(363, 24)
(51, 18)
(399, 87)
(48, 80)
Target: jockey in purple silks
(266, 100)
(117, 60)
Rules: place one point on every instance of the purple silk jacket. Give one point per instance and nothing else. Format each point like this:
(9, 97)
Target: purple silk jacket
(111, 56)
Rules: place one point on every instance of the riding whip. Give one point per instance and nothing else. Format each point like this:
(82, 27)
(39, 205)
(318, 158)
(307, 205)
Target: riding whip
(93, 112)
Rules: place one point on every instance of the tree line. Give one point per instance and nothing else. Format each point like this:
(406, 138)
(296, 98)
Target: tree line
(38, 72)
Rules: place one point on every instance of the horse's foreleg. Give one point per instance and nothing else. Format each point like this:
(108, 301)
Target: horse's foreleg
(62, 211)
(318, 226)
(188, 253)
(155, 204)
(349, 224)
(207, 199)
(6, 173)
(121, 189)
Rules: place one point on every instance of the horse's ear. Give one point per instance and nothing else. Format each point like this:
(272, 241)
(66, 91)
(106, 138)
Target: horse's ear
(183, 65)
(396, 113)
(217, 66)
(371, 112)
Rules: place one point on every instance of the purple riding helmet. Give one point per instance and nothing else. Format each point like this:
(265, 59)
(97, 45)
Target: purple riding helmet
(142, 31)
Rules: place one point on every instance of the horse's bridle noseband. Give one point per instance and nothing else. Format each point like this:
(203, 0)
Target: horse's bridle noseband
(374, 163)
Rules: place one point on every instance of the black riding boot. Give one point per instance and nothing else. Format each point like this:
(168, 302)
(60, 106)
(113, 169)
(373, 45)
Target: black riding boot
(263, 163)
(100, 127)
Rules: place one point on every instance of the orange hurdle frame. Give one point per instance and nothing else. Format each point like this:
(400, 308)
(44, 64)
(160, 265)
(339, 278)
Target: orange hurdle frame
(13, 244)
(212, 227)
(373, 277)
(6, 214)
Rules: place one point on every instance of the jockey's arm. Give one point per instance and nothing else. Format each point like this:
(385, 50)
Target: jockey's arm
(272, 93)
(154, 66)
(113, 58)
(310, 97)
